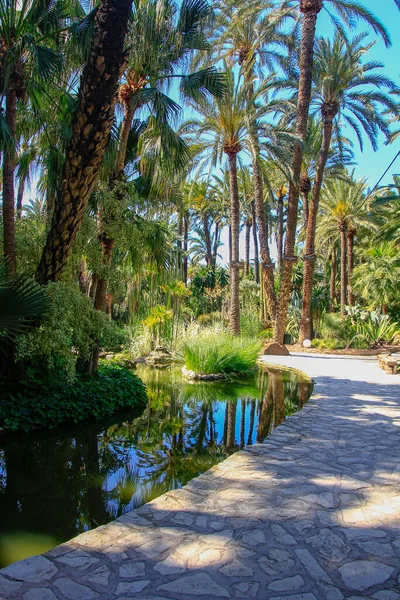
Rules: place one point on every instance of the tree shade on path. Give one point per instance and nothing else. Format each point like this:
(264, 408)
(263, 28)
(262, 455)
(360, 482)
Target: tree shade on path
(312, 511)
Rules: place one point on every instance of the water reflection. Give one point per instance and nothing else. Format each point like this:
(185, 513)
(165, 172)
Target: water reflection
(55, 485)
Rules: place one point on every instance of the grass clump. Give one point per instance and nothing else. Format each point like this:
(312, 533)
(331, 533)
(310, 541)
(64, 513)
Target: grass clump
(212, 354)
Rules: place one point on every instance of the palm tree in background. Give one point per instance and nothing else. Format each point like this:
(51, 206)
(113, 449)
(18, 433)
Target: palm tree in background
(221, 129)
(343, 213)
(341, 11)
(252, 36)
(29, 59)
(377, 276)
(348, 90)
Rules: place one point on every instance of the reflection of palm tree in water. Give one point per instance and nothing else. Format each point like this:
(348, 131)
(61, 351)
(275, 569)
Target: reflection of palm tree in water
(279, 399)
(266, 416)
(304, 392)
(251, 425)
(272, 410)
(242, 423)
(230, 417)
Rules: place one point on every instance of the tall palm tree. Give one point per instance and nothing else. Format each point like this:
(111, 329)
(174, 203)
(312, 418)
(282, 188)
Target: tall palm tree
(252, 36)
(342, 91)
(91, 128)
(29, 58)
(343, 208)
(222, 130)
(340, 10)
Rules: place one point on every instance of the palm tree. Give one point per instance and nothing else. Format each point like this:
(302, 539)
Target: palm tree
(348, 11)
(342, 90)
(222, 130)
(252, 36)
(166, 37)
(343, 209)
(29, 58)
(377, 276)
(92, 124)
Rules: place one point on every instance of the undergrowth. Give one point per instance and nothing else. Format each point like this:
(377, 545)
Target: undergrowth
(111, 389)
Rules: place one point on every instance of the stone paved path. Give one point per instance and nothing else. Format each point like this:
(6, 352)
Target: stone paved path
(313, 513)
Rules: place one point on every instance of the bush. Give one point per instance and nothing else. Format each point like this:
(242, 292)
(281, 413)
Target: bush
(341, 330)
(68, 331)
(328, 344)
(378, 330)
(113, 337)
(220, 354)
(250, 324)
(110, 390)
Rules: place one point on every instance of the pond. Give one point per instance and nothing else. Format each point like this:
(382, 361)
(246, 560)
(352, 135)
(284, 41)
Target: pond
(55, 485)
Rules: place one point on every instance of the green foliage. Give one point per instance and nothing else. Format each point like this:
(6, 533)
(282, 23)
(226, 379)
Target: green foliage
(110, 390)
(22, 303)
(328, 344)
(341, 330)
(360, 329)
(208, 287)
(68, 331)
(220, 354)
(250, 324)
(113, 337)
(378, 329)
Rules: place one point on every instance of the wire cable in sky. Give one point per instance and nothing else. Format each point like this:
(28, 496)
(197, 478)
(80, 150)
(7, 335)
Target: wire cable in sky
(385, 173)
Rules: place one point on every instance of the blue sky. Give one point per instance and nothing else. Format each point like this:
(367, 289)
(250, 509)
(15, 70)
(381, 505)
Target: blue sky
(370, 164)
(373, 164)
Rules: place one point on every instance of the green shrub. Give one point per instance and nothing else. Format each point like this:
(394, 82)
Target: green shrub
(220, 354)
(378, 330)
(250, 324)
(328, 344)
(341, 330)
(68, 331)
(204, 320)
(113, 337)
(110, 390)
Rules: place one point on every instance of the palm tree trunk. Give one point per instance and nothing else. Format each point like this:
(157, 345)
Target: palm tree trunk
(255, 242)
(91, 128)
(267, 266)
(279, 237)
(9, 163)
(310, 10)
(216, 244)
(185, 247)
(205, 219)
(343, 267)
(20, 195)
(126, 125)
(179, 244)
(305, 189)
(247, 247)
(329, 112)
(50, 203)
(234, 323)
(350, 265)
(332, 284)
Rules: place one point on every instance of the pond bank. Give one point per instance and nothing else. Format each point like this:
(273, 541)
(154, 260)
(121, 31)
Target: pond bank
(312, 513)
